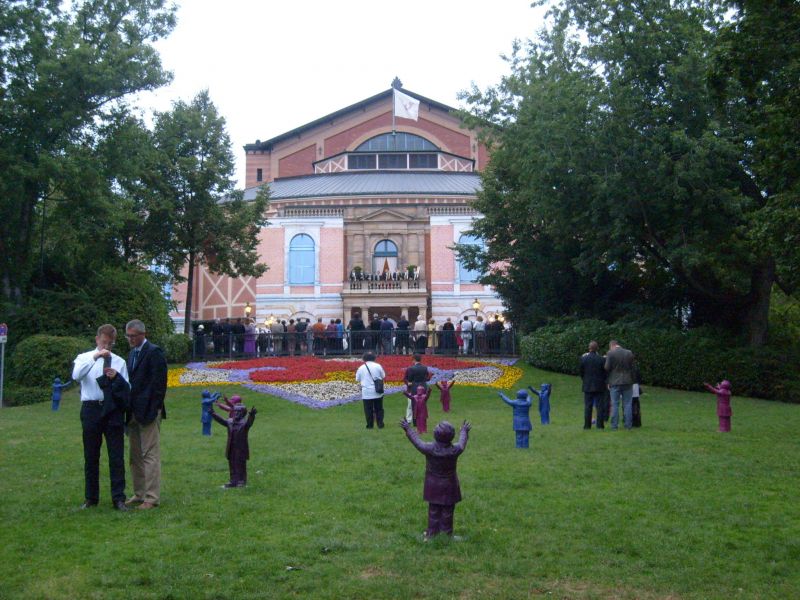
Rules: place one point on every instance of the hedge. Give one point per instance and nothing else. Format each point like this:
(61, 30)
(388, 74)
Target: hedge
(17, 395)
(38, 359)
(670, 357)
(177, 347)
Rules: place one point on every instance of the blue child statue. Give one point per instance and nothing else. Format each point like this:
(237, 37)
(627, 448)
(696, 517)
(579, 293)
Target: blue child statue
(208, 400)
(57, 387)
(544, 402)
(522, 420)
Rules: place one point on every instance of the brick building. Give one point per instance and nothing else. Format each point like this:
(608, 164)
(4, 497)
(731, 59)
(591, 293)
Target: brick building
(364, 208)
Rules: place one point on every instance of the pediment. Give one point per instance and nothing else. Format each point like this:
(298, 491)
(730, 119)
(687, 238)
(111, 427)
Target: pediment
(386, 215)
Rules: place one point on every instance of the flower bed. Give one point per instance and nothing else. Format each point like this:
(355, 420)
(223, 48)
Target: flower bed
(320, 383)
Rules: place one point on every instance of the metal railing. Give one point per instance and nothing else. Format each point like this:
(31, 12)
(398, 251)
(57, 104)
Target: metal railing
(491, 342)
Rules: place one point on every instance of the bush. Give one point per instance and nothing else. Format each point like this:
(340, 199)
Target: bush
(38, 359)
(17, 395)
(177, 347)
(670, 357)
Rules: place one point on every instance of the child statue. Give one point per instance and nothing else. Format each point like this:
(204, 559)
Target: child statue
(229, 405)
(444, 395)
(724, 412)
(544, 402)
(57, 388)
(207, 401)
(419, 401)
(522, 421)
(442, 490)
(237, 450)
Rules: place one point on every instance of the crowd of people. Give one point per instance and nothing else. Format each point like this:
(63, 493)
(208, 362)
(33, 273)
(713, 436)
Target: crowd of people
(607, 382)
(381, 335)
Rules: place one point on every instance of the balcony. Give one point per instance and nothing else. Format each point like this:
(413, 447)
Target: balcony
(384, 287)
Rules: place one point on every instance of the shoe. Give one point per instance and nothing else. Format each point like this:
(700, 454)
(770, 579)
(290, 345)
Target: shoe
(88, 504)
(133, 501)
(146, 506)
(121, 506)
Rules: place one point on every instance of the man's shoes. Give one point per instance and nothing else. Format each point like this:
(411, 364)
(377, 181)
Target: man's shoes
(88, 504)
(146, 506)
(133, 501)
(121, 506)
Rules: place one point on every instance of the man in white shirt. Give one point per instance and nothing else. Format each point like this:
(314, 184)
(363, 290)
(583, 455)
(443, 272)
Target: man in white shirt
(103, 377)
(466, 334)
(373, 400)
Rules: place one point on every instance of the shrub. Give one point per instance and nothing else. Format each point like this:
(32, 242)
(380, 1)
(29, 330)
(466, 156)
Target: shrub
(38, 359)
(177, 347)
(670, 357)
(17, 395)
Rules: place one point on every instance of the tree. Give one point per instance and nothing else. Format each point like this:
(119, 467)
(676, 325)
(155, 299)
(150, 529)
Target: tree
(64, 75)
(199, 216)
(611, 150)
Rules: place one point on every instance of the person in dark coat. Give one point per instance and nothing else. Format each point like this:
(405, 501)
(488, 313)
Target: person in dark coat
(442, 490)
(416, 375)
(237, 449)
(522, 420)
(593, 375)
(356, 328)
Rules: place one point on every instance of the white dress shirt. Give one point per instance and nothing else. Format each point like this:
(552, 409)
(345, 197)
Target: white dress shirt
(86, 371)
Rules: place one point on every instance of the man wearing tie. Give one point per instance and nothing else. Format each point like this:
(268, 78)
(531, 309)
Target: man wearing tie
(104, 392)
(148, 379)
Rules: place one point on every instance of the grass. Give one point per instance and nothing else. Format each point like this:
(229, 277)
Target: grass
(674, 510)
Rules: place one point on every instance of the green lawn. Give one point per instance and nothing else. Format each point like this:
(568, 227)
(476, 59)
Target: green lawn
(674, 510)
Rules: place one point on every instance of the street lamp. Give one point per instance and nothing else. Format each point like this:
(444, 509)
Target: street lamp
(247, 310)
(476, 306)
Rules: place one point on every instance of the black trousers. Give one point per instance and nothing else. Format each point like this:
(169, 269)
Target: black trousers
(373, 411)
(594, 399)
(95, 426)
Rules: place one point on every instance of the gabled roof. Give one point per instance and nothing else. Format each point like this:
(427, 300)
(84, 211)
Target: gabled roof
(268, 144)
(372, 183)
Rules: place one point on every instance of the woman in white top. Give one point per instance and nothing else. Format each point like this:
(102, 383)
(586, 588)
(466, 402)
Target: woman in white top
(373, 400)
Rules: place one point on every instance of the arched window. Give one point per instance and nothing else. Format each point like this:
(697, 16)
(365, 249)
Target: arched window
(384, 259)
(400, 142)
(301, 260)
(466, 275)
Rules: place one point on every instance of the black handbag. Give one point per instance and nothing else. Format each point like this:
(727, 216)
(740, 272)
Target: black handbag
(377, 382)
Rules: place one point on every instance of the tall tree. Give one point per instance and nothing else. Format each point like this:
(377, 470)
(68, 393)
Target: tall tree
(64, 74)
(611, 146)
(203, 220)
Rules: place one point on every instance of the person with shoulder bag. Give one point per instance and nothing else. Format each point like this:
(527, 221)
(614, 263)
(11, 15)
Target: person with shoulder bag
(371, 375)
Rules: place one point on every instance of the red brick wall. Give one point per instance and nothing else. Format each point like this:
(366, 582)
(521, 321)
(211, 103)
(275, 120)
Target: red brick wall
(252, 164)
(298, 163)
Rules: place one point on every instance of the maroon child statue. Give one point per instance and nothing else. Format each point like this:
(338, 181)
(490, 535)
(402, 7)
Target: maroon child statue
(444, 394)
(419, 402)
(724, 412)
(442, 490)
(237, 450)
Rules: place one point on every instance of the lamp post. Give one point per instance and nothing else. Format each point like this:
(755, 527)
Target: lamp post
(476, 306)
(247, 310)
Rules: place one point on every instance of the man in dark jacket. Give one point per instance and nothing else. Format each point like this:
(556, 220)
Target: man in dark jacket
(619, 365)
(593, 375)
(442, 490)
(147, 369)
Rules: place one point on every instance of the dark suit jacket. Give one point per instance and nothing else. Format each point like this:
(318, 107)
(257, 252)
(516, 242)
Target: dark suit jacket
(148, 379)
(593, 372)
(417, 374)
(115, 397)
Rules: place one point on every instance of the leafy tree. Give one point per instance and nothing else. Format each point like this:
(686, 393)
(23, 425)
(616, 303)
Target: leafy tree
(199, 216)
(65, 74)
(616, 165)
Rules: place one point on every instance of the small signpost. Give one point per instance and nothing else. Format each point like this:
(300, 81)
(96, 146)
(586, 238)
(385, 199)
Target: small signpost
(3, 340)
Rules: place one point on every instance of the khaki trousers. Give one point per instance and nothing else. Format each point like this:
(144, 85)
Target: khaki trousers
(145, 459)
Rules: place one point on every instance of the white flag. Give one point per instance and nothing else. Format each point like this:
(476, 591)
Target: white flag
(405, 106)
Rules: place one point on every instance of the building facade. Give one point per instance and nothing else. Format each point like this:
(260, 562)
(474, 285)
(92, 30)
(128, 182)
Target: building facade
(364, 211)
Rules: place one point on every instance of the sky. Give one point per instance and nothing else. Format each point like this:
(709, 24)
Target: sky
(273, 65)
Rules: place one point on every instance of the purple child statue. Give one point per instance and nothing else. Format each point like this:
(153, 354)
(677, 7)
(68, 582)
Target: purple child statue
(442, 490)
(207, 401)
(57, 387)
(237, 450)
(724, 412)
(420, 403)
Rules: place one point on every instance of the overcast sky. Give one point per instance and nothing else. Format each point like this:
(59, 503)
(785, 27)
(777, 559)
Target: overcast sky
(271, 66)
